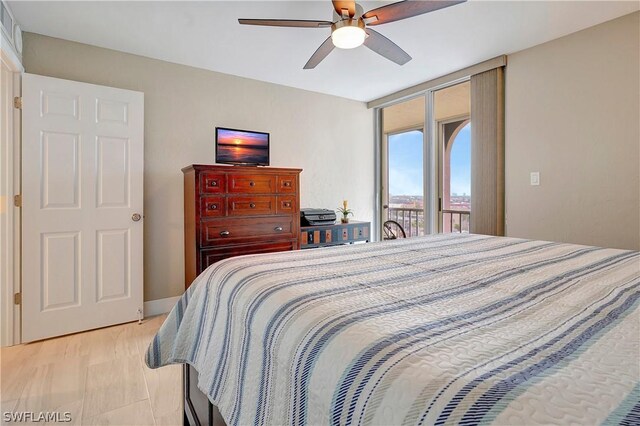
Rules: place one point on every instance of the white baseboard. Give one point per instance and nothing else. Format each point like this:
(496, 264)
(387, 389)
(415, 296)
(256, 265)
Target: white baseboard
(159, 306)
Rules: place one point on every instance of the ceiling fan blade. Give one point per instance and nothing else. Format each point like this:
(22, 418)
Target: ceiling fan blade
(348, 5)
(385, 47)
(296, 23)
(405, 9)
(322, 52)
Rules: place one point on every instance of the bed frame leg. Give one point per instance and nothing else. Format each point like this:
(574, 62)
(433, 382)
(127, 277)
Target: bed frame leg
(198, 410)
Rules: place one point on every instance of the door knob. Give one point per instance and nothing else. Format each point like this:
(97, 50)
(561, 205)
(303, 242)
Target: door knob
(136, 217)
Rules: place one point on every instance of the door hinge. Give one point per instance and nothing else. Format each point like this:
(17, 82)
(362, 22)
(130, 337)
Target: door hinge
(17, 299)
(17, 102)
(17, 200)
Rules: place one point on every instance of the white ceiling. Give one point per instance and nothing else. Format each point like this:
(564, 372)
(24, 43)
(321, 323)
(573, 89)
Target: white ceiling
(207, 35)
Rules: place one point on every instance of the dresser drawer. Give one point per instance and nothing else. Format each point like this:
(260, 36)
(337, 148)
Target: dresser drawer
(246, 229)
(287, 184)
(252, 184)
(286, 204)
(251, 206)
(212, 207)
(213, 183)
(210, 256)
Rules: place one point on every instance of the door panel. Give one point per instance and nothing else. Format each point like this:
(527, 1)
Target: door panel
(82, 165)
(60, 105)
(60, 285)
(113, 279)
(113, 172)
(60, 160)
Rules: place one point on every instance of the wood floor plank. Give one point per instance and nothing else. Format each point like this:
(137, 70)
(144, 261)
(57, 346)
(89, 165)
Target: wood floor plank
(8, 406)
(114, 384)
(173, 419)
(57, 386)
(51, 350)
(16, 365)
(110, 343)
(165, 389)
(138, 414)
(98, 376)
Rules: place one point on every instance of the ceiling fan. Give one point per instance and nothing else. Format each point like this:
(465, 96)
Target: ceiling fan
(350, 27)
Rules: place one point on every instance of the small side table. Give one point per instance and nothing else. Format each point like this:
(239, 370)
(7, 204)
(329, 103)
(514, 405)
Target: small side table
(332, 235)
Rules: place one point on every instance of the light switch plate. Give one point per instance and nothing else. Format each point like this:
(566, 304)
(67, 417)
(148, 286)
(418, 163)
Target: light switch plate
(535, 178)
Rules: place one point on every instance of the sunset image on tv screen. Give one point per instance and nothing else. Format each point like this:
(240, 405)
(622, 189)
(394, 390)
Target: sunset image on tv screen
(235, 146)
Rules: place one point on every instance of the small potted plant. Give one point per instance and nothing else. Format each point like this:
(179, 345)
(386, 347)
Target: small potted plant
(345, 212)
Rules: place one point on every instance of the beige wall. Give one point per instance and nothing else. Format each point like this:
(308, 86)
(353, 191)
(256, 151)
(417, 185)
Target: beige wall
(329, 137)
(572, 113)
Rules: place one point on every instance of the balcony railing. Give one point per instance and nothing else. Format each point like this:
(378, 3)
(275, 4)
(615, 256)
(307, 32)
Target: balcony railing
(455, 221)
(412, 220)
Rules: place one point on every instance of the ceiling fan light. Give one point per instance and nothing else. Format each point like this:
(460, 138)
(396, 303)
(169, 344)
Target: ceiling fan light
(348, 36)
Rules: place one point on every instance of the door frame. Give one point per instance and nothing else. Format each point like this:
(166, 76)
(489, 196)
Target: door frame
(10, 282)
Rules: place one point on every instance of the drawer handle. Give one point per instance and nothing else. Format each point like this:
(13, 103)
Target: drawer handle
(213, 206)
(213, 183)
(225, 233)
(278, 229)
(287, 204)
(252, 205)
(252, 183)
(287, 184)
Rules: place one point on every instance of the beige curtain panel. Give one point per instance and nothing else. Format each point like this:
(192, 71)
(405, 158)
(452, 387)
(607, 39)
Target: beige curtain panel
(487, 152)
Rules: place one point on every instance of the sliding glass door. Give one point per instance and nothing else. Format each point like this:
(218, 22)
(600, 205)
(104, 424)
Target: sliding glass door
(453, 135)
(426, 162)
(455, 175)
(406, 181)
(462, 127)
(403, 166)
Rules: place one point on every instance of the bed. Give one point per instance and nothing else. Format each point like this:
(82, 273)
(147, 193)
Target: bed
(443, 329)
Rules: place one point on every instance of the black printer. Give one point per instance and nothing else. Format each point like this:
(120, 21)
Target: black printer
(315, 217)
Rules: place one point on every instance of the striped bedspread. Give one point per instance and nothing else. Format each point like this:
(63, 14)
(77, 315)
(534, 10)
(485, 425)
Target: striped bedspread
(445, 329)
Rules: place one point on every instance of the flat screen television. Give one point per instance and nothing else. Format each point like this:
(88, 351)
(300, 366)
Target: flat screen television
(244, 147)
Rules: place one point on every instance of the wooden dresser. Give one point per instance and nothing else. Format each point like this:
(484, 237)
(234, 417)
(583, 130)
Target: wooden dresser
(235, 210)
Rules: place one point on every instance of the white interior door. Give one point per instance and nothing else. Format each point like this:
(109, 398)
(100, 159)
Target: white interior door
(82, 166)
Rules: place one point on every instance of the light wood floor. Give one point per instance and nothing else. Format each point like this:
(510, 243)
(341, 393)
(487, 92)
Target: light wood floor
(98, 376)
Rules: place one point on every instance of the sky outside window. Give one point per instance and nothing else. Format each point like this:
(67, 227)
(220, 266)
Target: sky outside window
(461, 162)
(406, 161)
